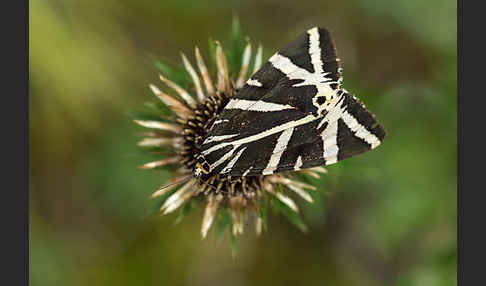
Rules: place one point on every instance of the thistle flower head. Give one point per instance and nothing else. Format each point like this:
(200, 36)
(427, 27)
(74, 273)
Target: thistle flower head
(194, 108)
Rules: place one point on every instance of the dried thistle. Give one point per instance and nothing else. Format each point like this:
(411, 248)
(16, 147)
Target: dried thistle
(193, 108)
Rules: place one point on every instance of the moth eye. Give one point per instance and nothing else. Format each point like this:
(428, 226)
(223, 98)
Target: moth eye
(200, 159)
(206, 166)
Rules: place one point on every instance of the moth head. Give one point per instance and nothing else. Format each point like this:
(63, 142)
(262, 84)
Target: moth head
(201, 167)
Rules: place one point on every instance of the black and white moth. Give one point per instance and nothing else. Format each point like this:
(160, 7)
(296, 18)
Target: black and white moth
(292, 114)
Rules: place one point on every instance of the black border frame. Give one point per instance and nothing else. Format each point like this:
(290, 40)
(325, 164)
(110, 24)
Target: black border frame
(14, 212)
(470, 120)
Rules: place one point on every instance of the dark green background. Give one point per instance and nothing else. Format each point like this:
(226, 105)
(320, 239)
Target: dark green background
(386, 218)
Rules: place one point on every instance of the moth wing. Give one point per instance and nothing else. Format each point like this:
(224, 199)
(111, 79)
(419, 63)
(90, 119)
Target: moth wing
(285, 87)
(349, 130)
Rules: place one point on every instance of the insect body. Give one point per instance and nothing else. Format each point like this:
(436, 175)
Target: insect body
(291, 114)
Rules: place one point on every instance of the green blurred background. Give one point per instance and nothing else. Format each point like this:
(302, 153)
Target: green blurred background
(387, 217)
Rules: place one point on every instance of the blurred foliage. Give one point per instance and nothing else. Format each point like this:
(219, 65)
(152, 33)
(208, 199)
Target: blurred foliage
(388, 217)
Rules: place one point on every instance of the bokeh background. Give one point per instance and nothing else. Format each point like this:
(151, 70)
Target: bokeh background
(387, 217)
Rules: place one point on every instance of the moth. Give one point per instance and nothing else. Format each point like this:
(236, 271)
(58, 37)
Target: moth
(291, 114)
